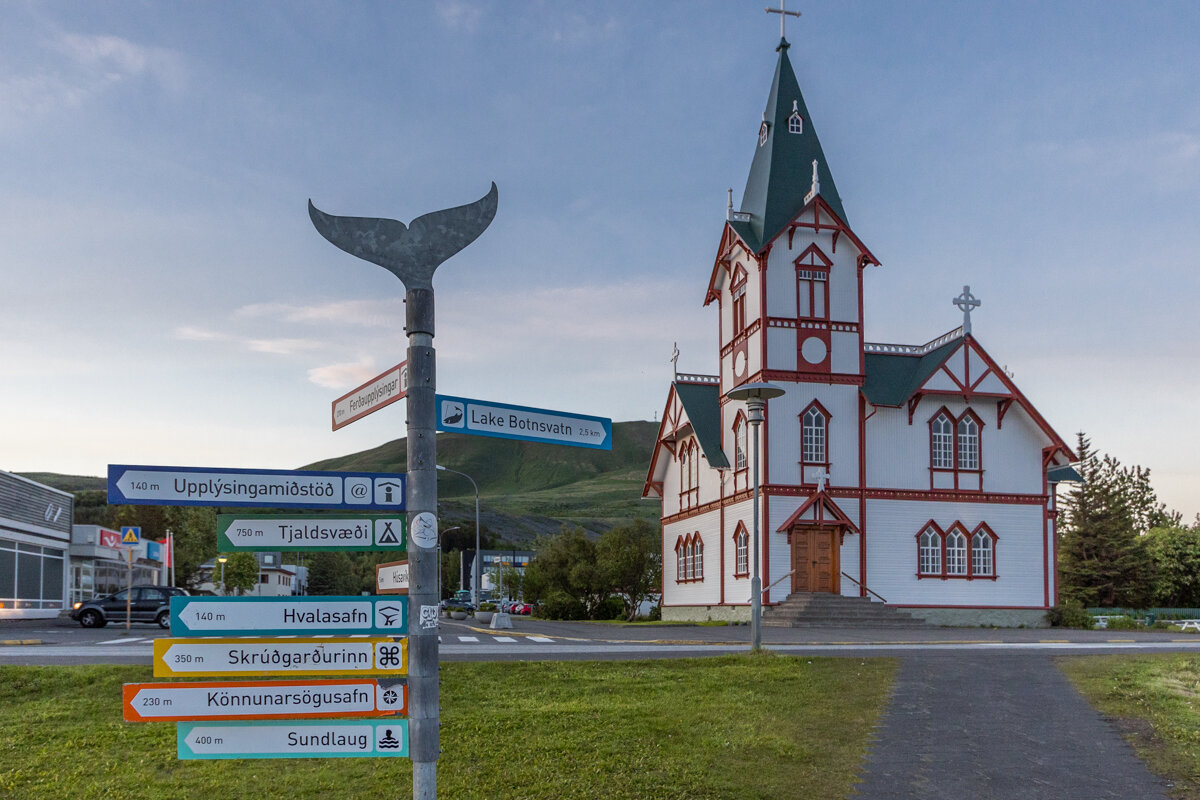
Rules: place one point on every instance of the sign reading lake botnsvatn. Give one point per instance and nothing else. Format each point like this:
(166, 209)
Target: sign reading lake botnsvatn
(257, 488)
(485, 418)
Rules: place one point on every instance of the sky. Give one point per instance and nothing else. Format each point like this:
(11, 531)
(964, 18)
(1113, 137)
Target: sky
(164, 298)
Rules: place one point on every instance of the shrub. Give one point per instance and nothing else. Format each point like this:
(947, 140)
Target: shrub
(1124, 624)
(1070, 615)
(611, 608)
(488, 607)
(655, 614)
(560, 605)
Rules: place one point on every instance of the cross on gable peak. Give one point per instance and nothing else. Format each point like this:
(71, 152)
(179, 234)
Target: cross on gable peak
(966, 302)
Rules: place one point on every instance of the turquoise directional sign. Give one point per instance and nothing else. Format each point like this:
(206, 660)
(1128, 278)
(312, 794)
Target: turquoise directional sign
(484, 418)
(254, 488)
(293, 739)
(288, 616)
(271, 532)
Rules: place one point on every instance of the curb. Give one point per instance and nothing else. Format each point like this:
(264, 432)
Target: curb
(20, 641)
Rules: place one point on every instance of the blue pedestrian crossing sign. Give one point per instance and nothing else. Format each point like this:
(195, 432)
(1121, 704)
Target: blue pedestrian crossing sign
(131, 534)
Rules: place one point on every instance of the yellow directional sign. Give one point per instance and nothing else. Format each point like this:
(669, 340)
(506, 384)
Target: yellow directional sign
(278, 656)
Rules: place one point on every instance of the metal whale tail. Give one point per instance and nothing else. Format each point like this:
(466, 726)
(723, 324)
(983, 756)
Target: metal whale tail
(411, 252)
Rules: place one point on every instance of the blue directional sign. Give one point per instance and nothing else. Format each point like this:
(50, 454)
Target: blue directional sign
(288, 616)
(254, 488)
(484, 418)
(293, 738)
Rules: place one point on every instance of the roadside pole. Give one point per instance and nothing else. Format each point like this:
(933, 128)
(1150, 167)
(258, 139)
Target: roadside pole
(412, 253)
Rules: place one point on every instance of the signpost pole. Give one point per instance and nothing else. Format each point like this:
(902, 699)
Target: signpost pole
(424, 722)
(412, 253)
(128, 586)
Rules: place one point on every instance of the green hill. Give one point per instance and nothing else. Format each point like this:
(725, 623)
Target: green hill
(525, 488)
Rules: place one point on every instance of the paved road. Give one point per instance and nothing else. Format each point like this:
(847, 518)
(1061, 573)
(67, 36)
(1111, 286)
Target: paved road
(1005, 726)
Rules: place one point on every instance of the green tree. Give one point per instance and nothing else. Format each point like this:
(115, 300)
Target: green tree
(240, 573)
(631, 558)
(331, 573)
(565, 577)
(451, 572)
(1174, 552)
(1101, 561)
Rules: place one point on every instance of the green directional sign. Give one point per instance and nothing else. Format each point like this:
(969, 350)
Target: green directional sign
(293, 739)
(271, 532)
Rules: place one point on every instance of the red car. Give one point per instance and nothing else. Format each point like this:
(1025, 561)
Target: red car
(521, 608)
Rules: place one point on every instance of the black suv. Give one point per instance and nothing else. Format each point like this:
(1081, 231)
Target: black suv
(146, 604)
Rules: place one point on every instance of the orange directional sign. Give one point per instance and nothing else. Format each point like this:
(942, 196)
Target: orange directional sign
(348, 697)
(288, 657)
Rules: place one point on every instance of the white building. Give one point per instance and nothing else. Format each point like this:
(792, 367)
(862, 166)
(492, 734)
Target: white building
(919, 474)
(35, 533)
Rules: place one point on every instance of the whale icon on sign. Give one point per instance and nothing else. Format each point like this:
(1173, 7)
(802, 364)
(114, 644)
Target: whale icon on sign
(452, 413)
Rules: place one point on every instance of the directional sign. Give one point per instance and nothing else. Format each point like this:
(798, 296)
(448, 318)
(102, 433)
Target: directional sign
(131, 535)
(273, 532)
(482, 418)
(380, 391)
(348, 697)
(286, 657)
(262, 488)
(392, 577)
(286, 616)
(292, 739)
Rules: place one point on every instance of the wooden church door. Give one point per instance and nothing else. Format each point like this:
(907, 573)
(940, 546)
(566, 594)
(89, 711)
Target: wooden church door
(815, 560)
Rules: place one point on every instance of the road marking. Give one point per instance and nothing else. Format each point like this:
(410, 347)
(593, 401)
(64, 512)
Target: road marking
(124, 641)
(542, 639)
(504, 638)
(468, 638)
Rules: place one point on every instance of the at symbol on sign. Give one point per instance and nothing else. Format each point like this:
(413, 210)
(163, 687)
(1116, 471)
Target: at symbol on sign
(358, 490)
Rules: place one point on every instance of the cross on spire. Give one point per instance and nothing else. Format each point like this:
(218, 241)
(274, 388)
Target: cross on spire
(783, 14)
(675, 358)
(965, 302)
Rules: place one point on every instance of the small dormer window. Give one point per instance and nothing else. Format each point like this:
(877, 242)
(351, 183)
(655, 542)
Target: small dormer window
(795, 121)
(762, 133)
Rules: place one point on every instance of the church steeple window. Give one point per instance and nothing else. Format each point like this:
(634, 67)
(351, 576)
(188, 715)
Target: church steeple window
(763, 130)
(795, 121)
(738, 292)
(812, 293)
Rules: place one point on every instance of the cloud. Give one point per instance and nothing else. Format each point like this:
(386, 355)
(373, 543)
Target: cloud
(459, 15)
(282, 347)
(190, 334)
(113, 59)
(369, 313)
(343, 376)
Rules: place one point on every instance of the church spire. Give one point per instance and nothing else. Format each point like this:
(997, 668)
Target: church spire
(781, 172)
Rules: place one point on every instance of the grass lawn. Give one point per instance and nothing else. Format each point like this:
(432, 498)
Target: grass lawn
(1155, 701)
(729, 727)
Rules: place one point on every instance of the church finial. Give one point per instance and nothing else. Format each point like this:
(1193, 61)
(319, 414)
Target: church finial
(674, 360)
(965, 302)
(816, 185)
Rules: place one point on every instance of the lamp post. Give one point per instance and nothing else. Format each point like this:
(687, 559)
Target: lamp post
(442, 533)
(478, 563)
(756, 396)
(221, 560)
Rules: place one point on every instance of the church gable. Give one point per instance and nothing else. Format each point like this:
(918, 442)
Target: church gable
(691, 424)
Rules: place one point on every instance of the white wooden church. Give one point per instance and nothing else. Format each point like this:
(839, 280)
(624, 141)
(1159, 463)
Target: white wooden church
(914, 475)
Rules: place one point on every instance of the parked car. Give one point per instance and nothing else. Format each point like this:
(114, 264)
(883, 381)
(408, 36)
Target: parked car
(523, 609)
(146, 604)
(459, 601)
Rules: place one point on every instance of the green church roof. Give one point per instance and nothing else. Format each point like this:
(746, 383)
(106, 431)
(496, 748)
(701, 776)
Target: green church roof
(893, 377)
(702, 403)
(781, 172)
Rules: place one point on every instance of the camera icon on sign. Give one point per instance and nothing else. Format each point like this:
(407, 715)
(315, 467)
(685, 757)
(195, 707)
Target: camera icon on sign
(358, 490)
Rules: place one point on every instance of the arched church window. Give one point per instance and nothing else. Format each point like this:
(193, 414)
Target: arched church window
(929, 551)
(741, 549)
(739, 444)
(795, 121)
(983, 553)
(968, 442)
(813, 431)
(941, 438)
(956, 553)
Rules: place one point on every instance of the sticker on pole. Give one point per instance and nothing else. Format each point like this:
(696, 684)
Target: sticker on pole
(424, 531)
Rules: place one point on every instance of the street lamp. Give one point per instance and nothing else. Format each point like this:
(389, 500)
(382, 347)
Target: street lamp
(756, 396)
(442, 533)
(478, 561)
(222, 560)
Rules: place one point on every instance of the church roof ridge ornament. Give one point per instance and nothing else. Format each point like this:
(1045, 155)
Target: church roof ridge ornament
(914, 349)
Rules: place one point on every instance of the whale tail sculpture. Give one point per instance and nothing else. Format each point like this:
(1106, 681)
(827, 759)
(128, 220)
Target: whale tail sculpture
(410, 252)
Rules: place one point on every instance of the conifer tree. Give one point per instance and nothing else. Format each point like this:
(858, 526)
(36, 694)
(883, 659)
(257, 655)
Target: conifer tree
(1101, 561)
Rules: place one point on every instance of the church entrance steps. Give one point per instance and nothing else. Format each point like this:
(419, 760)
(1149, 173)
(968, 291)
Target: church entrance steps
(824, 610)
